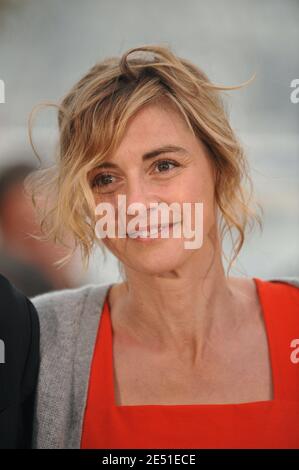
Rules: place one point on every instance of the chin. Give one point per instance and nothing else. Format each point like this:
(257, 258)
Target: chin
(161, 259)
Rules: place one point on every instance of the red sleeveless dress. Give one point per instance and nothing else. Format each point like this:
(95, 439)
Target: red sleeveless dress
(261, 424)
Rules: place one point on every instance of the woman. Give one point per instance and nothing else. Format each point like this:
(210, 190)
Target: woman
(179, 354)
(19, 359)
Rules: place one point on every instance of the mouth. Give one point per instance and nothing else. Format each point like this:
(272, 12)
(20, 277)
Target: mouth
(150, 232)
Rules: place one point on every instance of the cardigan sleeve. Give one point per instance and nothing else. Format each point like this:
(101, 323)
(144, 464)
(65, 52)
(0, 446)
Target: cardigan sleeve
(68, 326)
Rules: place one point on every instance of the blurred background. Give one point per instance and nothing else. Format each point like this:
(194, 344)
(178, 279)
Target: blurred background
(47, 45)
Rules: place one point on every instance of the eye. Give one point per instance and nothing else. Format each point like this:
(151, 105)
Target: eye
(163, 165)
(102, 181)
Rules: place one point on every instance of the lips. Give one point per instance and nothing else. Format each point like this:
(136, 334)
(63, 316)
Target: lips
(146, 233)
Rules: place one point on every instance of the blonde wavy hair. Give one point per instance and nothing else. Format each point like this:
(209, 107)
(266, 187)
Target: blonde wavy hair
(92, 119)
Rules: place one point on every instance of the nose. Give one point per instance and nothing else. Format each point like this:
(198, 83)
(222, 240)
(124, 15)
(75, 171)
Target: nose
(140, 193)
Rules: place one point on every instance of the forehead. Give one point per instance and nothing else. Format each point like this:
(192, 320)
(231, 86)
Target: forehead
(153, 126)
(154, 118)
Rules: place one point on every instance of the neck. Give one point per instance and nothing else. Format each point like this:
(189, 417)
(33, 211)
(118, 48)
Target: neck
(177, 312)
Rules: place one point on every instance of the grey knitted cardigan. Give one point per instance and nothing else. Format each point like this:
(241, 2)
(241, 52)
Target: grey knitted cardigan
(69, 321)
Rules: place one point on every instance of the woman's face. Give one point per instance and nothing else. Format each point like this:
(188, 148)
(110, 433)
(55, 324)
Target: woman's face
(168, 176)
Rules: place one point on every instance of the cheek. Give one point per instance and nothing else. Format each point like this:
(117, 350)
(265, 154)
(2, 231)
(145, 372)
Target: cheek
(117, 246)
(197, 189)
(200, 189)
(196, 184)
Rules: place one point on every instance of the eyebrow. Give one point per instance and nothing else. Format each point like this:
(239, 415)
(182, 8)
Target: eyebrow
(149, 155)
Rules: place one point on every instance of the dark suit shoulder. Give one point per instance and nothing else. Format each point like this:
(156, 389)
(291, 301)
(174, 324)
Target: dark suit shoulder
(16, 310)
(19, 335)
(19, 362)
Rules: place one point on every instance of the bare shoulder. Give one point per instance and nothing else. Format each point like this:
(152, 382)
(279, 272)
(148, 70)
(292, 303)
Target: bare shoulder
(250, 311)
(246, 291)
(253, 342)
(244, 284)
